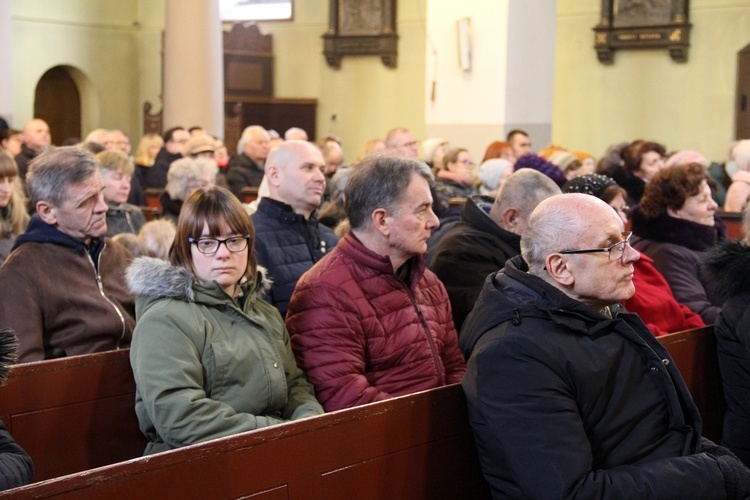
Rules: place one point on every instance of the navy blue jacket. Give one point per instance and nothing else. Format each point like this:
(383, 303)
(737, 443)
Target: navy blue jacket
(287, 245)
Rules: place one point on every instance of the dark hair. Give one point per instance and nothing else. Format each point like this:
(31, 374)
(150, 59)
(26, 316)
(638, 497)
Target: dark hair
(633, 153)
(611, 191)
(169, 134)
(379, 182)
(671, 187)
(514, 133)
(7, 133)
(496, 149)
(212, 208)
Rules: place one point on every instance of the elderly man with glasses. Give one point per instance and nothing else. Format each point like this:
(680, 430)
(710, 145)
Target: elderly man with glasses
(570, 396)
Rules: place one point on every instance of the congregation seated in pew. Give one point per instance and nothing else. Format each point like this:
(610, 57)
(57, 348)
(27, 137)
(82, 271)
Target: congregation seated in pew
(210, 358)
(62, 288)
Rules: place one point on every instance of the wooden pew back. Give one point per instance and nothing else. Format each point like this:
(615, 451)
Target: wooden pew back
(733, 220)
(73, 414)
(416, 446)
(694, 353)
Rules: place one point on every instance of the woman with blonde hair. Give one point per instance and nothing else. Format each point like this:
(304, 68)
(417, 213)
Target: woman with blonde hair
(145, 155)
(13, 215)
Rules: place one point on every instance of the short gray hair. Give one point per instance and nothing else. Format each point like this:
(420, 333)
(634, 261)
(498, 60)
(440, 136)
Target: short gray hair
(181, 172)
(524, 190)
(380, 182)
(52, 173)
(552, 228)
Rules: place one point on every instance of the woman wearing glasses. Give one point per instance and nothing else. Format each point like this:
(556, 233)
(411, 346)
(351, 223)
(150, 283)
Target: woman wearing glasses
(674, 224)
(210, 358)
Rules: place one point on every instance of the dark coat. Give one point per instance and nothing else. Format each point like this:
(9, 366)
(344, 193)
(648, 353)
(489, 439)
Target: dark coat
(63, 298)
(676, 247)
(16, 468)
(287, 245)
(469, 251)
(125, 218)
(23, 159)
(243, 172)
(566, 402)
(156, 175)
(363, 333)
(729, 263)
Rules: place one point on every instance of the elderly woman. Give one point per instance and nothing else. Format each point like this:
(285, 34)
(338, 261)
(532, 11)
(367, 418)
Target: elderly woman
(729, 263)
(210, 358)
(653, 300)
(674, 224)
(641, 160)
(13, 216)
(185, 176)
(117, 171)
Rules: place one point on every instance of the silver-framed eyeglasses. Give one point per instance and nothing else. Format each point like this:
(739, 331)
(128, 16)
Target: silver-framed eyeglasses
(211, 245)
(616, 251)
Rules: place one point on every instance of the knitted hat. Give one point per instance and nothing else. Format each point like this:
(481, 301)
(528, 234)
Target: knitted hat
(491, 171)
(741, 154)
(563, 159)
(686, 156)
(199, 144)
(429, 146)
(541, 165)
(593, 184)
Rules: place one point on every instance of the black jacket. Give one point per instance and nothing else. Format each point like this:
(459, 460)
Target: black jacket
(287, 245)
(156, 176)
(568, 402)
(729, 263)
(23, 159)
(469, 251)
(243, 172)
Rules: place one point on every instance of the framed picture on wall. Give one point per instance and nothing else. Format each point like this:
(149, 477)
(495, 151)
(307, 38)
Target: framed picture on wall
(361, 28)
(642, 24)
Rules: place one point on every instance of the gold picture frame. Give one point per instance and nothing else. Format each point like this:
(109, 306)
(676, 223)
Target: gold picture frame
(361, 28)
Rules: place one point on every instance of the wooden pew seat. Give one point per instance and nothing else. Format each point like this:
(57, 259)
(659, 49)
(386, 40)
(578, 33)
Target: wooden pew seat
(416, 446)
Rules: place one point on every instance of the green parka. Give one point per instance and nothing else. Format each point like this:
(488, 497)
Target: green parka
(207, 366)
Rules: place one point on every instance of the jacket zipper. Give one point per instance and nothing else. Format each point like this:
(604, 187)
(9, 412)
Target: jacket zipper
(101, 291)
(430, 340)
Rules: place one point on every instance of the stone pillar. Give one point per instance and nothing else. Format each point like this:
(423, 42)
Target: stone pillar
(6, 63)
(193, 65)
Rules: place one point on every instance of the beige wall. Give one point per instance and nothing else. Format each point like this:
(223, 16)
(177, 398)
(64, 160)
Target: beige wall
(645, 94)
(367, 98)
(96, 40)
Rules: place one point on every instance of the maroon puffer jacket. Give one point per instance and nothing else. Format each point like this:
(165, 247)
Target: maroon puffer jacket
(362, 335)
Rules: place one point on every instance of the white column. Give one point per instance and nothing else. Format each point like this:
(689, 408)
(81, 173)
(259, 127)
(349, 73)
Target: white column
(193, 65)
(6, 63)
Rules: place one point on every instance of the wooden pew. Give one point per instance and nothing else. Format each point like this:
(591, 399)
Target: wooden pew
(152, 197)
(418, 446)
(733, 220)
(249, 194)
(73, 414)
(694, 353)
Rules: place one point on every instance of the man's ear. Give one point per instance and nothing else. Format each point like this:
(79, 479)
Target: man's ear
(557, 268)
(47, 212)
(379, 219)
(274, 175)
(510, 218)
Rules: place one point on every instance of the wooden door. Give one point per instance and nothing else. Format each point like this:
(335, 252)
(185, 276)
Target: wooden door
(742, 113)
(58, 102)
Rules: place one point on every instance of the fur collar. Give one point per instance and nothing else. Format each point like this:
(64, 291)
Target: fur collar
(728, 264)
(150, 277)
(667, 229)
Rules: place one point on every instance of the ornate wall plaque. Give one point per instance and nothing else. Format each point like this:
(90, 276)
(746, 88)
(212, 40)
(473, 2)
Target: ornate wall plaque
(642, 24)
(361, 27)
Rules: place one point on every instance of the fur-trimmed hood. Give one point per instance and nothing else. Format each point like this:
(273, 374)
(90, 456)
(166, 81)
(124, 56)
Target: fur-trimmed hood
(729, 264)
(157, 278)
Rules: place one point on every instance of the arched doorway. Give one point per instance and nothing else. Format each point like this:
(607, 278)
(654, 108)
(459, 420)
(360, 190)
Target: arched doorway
(58, 102)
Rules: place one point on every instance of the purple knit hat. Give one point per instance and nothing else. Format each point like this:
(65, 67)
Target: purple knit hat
(541, 165)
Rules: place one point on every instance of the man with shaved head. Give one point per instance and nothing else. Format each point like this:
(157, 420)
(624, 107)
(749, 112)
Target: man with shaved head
(288, 237)
(36, 139)
(569, 396)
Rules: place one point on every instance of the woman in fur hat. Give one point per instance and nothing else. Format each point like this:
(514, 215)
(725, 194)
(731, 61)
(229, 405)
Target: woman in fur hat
(729, 263)
(209, 356)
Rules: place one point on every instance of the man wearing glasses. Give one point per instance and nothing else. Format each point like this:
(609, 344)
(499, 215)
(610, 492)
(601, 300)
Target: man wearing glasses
(569, 395)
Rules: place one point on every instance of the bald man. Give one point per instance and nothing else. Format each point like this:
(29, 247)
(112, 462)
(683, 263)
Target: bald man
(36, 139)
(288, 237)
(569, 396)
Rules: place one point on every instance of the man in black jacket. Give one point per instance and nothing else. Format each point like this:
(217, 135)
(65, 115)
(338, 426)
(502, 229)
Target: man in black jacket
(568, 396)
(288, 237)
(481, 243)
(246, 168)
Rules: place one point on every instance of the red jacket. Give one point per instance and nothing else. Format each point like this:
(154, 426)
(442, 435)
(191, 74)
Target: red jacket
(362, 335)
(654, 302)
